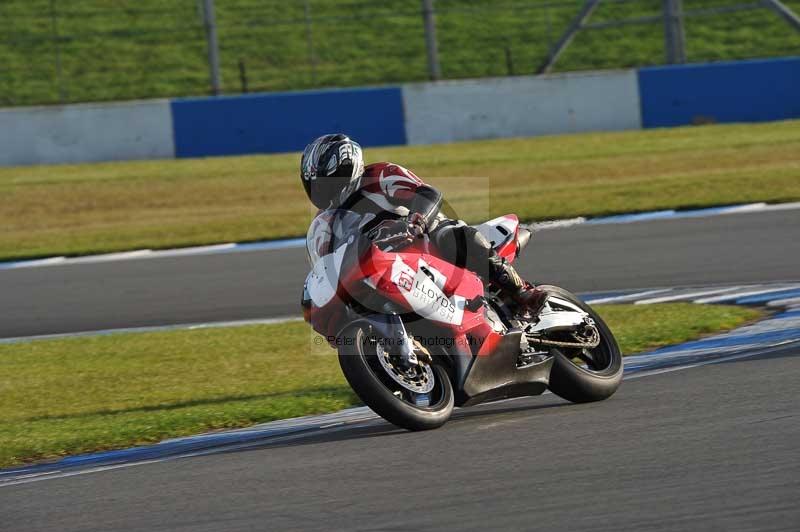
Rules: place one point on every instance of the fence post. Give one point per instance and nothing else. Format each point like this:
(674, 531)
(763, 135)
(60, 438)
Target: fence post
(429, 15)
(312, 57)
(243, 75)
(210, 23)
(674, 35)
(62, 96)
(509, 60)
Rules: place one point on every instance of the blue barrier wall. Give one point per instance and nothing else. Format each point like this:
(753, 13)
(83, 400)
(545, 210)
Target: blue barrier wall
(417, 113)
(742, 91)
(285, 122)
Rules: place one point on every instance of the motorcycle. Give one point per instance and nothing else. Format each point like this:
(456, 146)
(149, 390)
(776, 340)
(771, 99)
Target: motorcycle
(417, 336)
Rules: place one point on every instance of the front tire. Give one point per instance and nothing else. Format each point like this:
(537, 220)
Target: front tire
(601, 375)
(358, 358)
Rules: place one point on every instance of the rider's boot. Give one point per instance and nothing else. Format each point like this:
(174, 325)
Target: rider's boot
(526, 295)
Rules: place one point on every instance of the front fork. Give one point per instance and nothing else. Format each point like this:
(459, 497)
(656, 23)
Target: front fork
(396, 339)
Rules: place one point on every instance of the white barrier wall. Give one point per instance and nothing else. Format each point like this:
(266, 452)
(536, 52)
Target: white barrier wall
(86, 132)
(449, 111)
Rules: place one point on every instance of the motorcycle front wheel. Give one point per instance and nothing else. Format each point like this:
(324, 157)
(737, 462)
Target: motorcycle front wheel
(416, 398)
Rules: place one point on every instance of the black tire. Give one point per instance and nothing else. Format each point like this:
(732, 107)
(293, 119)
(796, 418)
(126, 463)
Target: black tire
(375, 392)
(584, 385)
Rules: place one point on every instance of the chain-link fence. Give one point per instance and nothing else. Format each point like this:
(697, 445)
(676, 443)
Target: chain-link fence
(56, 51)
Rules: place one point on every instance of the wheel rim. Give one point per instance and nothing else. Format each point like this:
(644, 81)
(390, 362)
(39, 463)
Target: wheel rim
(416, 379)
(383, 367)
(597, 360)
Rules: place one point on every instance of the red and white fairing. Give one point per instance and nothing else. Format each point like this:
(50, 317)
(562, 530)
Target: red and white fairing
(422, 288)
(415, 278)
(502, 233)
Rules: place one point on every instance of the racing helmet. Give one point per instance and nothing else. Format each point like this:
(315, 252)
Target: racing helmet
(331, 168)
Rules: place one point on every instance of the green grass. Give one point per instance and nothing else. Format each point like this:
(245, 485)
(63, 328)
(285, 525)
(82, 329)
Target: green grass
(150, 48)
(92, 208)
(76, 395)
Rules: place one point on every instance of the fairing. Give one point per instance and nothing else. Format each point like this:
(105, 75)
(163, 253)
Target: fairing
(351, 279)
(502, 233)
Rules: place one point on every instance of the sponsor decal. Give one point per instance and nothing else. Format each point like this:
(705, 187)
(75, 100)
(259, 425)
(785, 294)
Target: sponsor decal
(424, 295)
(405, 281)
(433, 298)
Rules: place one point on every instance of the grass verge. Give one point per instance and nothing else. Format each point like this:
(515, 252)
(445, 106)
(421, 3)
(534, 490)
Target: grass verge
(153, 48)
(95, 208)
(68, 396)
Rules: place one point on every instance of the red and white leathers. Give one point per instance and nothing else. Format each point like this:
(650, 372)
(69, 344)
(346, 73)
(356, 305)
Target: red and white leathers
(390, 187)
(403, 206)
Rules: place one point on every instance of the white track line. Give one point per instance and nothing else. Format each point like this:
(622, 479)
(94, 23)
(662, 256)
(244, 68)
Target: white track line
(718, 299)
(686, 295)
(782, 206)
(111, 257)
(554, 224)
(750, 207)
(295, 242)
(788, 303)
(627, 297)
(155, 328)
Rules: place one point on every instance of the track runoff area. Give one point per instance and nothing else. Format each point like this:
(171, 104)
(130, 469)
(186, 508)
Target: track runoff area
(777, 332)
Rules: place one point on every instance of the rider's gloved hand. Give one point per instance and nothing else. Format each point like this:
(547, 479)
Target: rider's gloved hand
(416, 224)
(400, 233)
(393, 236)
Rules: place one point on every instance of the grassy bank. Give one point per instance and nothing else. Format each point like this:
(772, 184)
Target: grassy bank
(61, 397)
(153, 48)
(93, 208)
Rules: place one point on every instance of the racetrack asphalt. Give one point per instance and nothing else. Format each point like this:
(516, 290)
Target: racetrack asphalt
(733, 248)
(708, 448)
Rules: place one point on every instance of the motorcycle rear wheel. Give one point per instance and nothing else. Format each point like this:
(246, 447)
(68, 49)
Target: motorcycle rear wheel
(600, 373)
(358, 358)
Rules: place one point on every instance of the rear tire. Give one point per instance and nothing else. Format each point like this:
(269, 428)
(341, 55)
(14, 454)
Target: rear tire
(579, 384)
(374, 389)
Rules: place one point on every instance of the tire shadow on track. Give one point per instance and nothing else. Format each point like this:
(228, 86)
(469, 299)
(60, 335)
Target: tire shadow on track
(379, 428)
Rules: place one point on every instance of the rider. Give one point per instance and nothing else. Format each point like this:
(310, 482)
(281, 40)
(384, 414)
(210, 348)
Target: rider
(404, 207)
